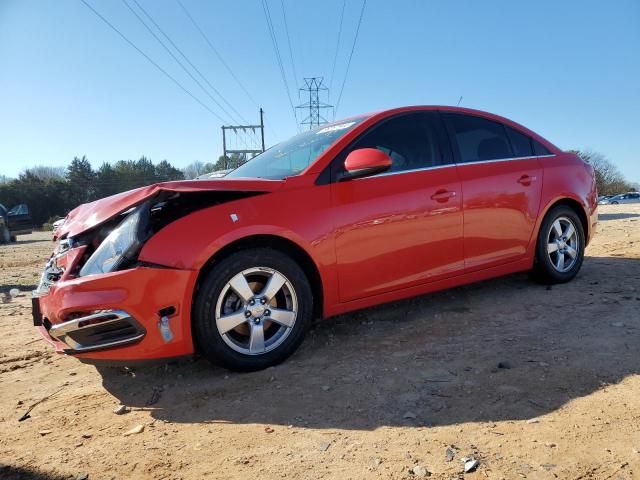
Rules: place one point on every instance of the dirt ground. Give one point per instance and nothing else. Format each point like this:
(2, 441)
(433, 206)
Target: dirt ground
(533, 382)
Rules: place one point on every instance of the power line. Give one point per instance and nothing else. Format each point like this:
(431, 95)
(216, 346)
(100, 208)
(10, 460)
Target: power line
(178, 61)
(335, 57)
(168, 50)
(286, 29)
(274, 41)
(215, 51)
(151, 61)
(217, 54)
(353, 47)
(189, 62)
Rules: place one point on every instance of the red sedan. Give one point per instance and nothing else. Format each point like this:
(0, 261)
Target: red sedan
(353, 214)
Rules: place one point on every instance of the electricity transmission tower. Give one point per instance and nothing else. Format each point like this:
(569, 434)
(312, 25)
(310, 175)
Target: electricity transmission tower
(314, 107)
(242, 153)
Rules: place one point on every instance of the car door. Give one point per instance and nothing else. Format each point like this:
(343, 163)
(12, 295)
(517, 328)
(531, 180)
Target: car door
(402, 227)
(501, 187)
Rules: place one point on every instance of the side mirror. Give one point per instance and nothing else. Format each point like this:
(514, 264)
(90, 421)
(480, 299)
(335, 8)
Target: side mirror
(364, 162)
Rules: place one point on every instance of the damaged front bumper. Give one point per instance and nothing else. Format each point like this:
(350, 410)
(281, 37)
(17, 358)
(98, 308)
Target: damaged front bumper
(119, 316)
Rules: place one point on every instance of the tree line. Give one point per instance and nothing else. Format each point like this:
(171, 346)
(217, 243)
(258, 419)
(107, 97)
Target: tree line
(51, 192)
(609, 179)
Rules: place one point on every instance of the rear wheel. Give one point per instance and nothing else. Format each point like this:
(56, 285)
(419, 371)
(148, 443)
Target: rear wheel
(252, 310)
(560, 246)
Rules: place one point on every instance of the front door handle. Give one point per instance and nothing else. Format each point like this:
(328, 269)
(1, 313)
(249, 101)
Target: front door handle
(526, 180)
(443, 196)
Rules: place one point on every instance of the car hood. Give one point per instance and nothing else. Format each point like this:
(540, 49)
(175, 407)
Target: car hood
(89, 215)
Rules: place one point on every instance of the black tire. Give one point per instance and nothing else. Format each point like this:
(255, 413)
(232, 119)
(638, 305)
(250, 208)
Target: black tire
(5, 235)
(14, 239)
(615, 203)
(544, 269)
(208, 339)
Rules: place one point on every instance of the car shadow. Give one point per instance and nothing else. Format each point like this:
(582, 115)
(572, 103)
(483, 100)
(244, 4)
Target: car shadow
(504, 349)
(8, 472)
(616, 216)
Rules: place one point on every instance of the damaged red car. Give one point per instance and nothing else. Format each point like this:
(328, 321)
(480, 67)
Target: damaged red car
(352, 214)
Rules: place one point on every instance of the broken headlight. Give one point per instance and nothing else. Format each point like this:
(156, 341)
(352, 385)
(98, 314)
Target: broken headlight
(121, 245)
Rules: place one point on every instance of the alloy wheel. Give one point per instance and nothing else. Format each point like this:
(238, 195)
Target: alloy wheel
(256, 310)
(563, 244)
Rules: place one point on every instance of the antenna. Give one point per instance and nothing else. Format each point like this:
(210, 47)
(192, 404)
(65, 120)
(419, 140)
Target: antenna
(459, 101)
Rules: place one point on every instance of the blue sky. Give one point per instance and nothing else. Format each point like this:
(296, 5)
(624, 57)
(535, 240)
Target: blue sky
(70, 86)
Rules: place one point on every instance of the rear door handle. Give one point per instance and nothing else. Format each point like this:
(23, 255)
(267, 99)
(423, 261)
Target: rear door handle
(526, 180)
(443, 196)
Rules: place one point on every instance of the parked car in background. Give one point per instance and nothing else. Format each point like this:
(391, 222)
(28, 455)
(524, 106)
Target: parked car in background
(629, 197)
(14, 222)
(353, 214)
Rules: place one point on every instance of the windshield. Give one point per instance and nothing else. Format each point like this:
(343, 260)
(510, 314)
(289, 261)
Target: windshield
(294, 155)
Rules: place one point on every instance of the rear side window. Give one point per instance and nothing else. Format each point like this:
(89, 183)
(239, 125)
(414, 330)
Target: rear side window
(540, 149)
(477, 139)
(520, 142)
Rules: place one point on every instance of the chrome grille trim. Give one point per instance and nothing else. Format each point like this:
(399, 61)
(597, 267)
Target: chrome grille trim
(62, 332)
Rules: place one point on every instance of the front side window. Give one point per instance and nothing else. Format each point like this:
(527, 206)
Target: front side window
(294, 155)
(411, 141)
(477, 138)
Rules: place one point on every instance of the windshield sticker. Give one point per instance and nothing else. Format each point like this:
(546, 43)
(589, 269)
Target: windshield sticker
(333, 128)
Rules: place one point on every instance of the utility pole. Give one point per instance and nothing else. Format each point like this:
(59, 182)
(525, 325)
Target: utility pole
(313, 86)
(242, 128)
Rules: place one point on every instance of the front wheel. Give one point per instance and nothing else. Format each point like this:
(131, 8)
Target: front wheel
(252, 310)
(560, 246)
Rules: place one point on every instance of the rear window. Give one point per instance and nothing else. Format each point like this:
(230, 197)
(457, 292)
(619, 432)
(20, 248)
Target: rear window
(478, 139)
(520, 142)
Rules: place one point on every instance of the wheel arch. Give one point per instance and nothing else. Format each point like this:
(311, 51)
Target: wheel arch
(281, 244)
(577, 207)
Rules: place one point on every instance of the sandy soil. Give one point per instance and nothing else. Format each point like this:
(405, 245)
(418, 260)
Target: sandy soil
(369, 395)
